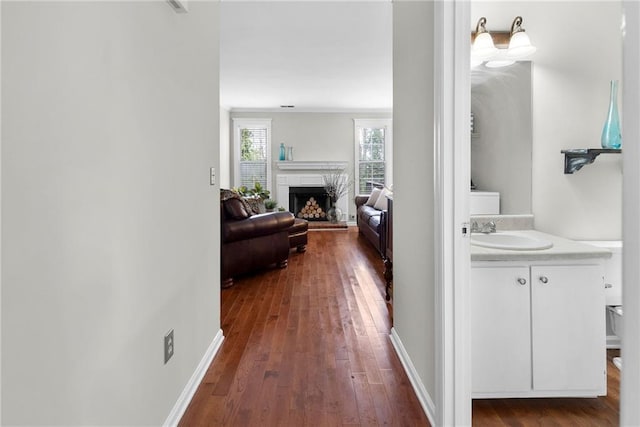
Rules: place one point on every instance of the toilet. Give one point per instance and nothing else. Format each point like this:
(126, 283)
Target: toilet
(613, 293)
(615, 320)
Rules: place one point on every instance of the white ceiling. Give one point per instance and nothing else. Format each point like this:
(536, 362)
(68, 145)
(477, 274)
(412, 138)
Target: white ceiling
(318, 56)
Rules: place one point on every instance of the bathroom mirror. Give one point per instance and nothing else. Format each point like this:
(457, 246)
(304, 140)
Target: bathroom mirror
(501, 142)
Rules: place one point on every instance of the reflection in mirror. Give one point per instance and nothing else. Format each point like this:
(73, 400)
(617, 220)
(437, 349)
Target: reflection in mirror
(502, 138)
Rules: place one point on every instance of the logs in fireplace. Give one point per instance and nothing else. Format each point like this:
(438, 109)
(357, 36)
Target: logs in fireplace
(310, 203)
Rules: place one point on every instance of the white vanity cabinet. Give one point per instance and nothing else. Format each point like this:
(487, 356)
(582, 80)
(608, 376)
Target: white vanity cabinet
(538, 329)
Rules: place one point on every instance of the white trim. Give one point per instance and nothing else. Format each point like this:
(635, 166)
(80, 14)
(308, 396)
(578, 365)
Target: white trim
(310, 166)
(630, 375)
(613, 342)
(238, 123)
(452, 259)
(425, 400)
(313, 110)
(192, 385)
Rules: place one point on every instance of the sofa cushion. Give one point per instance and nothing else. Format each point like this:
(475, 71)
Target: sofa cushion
(256, 205)
(374, 223)
(381, 203)
(235, 209)
(366, 212)
(373, 198)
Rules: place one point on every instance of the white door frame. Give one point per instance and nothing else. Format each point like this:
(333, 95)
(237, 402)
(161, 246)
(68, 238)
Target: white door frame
(630, 375)
(452, 93)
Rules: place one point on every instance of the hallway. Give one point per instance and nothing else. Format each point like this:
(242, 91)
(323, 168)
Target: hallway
(308, 345)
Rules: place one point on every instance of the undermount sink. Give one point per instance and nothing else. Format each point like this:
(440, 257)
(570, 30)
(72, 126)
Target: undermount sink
(509, 241)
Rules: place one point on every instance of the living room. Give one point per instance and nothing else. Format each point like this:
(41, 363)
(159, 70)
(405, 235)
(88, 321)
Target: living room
(312, 76)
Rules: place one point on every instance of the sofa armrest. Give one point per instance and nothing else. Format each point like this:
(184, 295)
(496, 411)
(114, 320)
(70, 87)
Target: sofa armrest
(256, 226)
(361, 199)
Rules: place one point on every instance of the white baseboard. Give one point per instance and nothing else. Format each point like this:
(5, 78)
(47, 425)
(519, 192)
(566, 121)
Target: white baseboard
(425, 400)
(192, 385)
(613, 341)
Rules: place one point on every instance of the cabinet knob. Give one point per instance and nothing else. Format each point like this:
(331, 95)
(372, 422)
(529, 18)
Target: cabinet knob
(522, 281)
(544, 279)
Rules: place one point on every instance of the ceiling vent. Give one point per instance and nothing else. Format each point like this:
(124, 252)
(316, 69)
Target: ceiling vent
(180, 6)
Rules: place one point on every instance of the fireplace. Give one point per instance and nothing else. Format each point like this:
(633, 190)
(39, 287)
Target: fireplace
(311, 177)
(310, 203)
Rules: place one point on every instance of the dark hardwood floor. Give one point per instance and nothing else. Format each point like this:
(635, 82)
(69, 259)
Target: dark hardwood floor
(308, 345)
(596, 412)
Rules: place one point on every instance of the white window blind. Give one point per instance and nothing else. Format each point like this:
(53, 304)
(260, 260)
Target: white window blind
(252, 147)
(372, 138)
(253, 156)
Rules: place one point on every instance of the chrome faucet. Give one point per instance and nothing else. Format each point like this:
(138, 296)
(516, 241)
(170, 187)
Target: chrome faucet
(486, 227)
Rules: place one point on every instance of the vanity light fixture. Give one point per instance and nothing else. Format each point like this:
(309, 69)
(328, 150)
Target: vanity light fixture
(483, 47)
(519, 44)
(514, 45)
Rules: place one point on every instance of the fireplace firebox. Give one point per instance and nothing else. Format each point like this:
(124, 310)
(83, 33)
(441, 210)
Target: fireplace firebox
(310, 203)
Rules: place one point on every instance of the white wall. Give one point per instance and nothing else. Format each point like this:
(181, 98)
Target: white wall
(571, 77)
(110, 234)
(414, 299)
(314, 136)
(224, 174)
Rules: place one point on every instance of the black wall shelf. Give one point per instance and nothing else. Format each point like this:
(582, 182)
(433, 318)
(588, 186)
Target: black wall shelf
(576, 158)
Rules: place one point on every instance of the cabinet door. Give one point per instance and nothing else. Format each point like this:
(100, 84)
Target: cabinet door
(568, 328)
(500, 329)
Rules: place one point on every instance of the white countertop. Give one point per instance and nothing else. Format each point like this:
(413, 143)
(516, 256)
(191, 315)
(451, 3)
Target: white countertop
(562, 249)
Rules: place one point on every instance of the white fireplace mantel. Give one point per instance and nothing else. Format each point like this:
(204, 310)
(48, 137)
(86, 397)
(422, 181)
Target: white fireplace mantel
(311, 166)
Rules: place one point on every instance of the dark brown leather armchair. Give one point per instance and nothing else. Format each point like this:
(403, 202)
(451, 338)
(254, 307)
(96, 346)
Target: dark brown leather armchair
(251, 242)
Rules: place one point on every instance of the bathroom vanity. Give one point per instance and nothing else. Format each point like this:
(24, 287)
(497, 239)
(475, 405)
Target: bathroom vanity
(538, 320)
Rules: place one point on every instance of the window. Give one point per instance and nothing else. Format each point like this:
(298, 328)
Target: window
(373, 154)
(252, 152)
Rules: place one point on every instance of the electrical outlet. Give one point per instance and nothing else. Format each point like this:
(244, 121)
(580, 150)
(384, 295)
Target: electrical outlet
(212, 176)
(168, 346)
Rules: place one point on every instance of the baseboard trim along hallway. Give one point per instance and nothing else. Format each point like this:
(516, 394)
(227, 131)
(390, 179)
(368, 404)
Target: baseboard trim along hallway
(192, 385)
(421, 392)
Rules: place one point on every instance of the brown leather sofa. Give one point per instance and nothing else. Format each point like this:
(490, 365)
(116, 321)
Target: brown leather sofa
(251, 242)
(371, 223)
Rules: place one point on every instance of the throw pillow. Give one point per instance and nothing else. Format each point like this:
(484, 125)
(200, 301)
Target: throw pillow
(256, 204)
(381, 203)
(373, 198)
(235, 209)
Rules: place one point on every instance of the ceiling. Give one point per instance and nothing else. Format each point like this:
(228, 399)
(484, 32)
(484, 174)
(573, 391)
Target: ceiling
(317, 56)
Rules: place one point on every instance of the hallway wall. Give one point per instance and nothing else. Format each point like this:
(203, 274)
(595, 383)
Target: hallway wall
(110, 236)
(413, 196)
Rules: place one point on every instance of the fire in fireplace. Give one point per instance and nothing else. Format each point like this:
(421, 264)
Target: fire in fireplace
(310, 203)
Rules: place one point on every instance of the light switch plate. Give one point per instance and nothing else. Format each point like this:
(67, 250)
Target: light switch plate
(212, 176)
(168, 346)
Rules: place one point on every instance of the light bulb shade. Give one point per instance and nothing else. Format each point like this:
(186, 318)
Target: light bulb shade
(520, 46)
(483, 47)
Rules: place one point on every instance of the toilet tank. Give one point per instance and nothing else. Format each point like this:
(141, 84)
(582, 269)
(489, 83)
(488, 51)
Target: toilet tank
(612, 270)
(484, 203)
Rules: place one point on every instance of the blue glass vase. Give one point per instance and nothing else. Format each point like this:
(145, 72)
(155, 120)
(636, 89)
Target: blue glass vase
(611, 136)
(283, 154)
